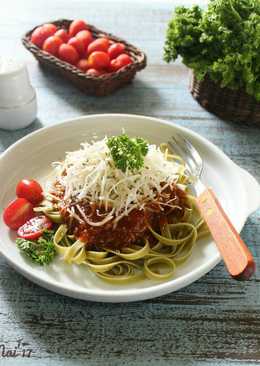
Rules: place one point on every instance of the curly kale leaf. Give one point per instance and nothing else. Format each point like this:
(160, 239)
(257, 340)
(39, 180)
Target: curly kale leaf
(41, 251)
(222, 42)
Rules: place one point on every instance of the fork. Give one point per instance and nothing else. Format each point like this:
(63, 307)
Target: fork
(236, 255)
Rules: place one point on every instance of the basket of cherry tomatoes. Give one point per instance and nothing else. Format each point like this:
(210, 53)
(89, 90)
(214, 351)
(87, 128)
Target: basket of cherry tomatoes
(96, 62)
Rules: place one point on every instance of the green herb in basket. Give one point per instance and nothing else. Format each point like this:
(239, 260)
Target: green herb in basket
(222, 42)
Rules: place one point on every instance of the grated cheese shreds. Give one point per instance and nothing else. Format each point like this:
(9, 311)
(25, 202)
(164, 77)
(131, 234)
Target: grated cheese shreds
(90, 174)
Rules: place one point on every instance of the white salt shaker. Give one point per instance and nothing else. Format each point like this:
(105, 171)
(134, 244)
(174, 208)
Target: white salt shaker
(18, 105)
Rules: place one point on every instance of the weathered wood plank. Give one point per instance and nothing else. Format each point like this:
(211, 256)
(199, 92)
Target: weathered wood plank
(215, 321)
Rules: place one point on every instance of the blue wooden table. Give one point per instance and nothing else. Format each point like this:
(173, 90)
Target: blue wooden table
(215, 321)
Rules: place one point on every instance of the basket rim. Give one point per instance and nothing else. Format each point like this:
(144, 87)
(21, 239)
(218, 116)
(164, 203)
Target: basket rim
(213, 85)
(139, 57)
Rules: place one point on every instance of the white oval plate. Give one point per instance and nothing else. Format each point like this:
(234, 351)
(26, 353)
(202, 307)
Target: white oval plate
(237, 190)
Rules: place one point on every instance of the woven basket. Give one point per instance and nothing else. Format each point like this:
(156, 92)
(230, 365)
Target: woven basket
(101, 85)
(231, 105)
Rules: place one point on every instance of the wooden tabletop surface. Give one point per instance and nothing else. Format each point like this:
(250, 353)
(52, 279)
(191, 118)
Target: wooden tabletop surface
(214, 321)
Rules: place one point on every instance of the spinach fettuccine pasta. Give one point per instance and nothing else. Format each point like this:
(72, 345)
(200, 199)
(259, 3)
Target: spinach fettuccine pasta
(122, 208)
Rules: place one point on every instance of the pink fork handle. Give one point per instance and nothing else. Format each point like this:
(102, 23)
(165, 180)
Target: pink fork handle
(236, 255)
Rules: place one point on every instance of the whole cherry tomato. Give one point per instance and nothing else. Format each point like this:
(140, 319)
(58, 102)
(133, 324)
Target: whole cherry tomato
(17, 213)
(124, 59)
(86, 37)
(37, 37)
(119, 62)
(115, 49)
(83, 65)
(34, 227)
(41, 33)
(52, 45)
(100, 44)
(94, 72)
(78, 44)
(98, 60)
(68, 53)
(76, 26)
(31, 190)
(114, 65)
(62, 34)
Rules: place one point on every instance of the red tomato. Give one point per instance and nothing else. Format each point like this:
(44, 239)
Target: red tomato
(62, 34)
(78, 45)
(49, 29)
(37, 37)
(34, 228)
(83, 65)
(124, 59)
(29, 189)
(52, 45)
(86, 37)
(68, 53)
(17, 213)
(100, 44)
(119, 62)
(116, 49)
(77, 26)
(98, 60)
(94, 72)
(115, 65)
(41, 33)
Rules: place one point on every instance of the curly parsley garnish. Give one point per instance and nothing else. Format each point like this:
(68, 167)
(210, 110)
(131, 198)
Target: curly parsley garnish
(223, 42)
(41, 251)
(127, 153)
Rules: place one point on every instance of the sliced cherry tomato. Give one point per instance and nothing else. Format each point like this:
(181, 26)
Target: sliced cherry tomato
(62, 34)
(17, 213)
(29, 189)
(86, 37)
(98, 60)
(68, 53)
(100, 44)
(115, 50)
(77, 26)
(34, 228)
(94, 72)
(52, 45)
(41, 33)
(78, 44)
(83, 65)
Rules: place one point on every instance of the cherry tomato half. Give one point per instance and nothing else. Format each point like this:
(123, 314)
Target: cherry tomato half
(76, 26)
(62, 34)
(78, 44)
(98, 60)
(115, 50)
(17, 213)
(41, 33)
(52, 45)
(100, 44)
(68, 53)
(29, 189)
(34, 228)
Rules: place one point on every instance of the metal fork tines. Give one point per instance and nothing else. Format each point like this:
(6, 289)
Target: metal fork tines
(192, 158)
